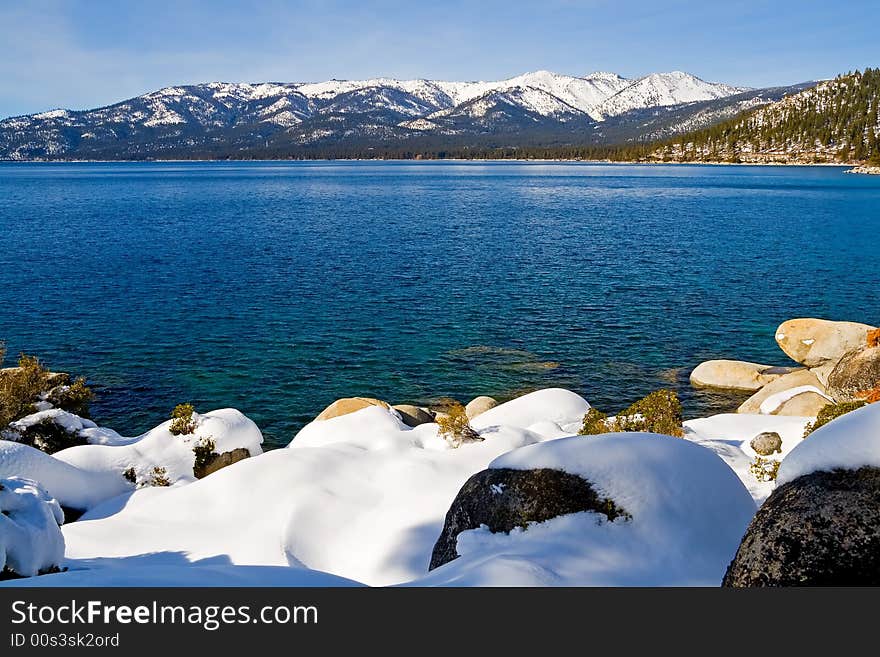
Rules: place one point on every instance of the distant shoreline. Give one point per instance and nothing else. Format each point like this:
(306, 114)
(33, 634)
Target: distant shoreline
(855, 167)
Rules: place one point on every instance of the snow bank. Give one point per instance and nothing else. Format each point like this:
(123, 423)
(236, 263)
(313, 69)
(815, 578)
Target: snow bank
(689, 512)
(72, 486)
(848, 442)
(30, 540)
(366, 426)
(361, 496)
(729, 435)
(562, 407)
(83, 476)
(187, 574)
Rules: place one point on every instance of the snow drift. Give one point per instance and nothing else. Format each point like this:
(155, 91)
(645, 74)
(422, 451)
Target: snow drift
(30, 539)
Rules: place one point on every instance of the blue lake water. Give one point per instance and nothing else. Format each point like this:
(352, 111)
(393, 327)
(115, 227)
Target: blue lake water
(279, 287)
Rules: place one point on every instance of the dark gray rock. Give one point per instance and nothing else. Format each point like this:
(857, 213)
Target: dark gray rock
(218, 461)
(858, 371)
(767, 443)
(822, 529)
(503, 499)
(45, 435)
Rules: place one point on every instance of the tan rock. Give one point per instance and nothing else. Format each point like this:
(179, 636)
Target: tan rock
(735, 375)
(348, 405)
(823, 372)
(805, 404)
(413, 416)
(219, 461)
(767, 443)
(479, 405)
(796, 379)
(816, 342)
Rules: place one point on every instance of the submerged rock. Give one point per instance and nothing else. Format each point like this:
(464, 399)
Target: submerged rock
(816, 342)
(735, 375)
(479, 405)
(503, 499)
(821, 529)
(348, 405)
(857, 372)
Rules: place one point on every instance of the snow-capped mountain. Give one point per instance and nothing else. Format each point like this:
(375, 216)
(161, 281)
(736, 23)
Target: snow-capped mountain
(227, 119)
(662, 89)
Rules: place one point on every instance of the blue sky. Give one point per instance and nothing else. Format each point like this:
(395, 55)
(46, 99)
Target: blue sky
(86, 53)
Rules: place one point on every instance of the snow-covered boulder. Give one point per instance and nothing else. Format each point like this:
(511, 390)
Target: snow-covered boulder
(848, 442)
(62, 428)
(822, 523)
(679, 515)
(821, 529)
(30, 538)
(557, 405)
(504, 499)
(371, 422)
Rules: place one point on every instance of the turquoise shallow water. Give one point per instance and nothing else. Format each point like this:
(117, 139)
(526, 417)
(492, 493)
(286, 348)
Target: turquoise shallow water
(279, 287)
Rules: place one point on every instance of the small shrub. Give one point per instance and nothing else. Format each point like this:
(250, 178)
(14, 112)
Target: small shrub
(455, 427)
(595, 422)
(73, 398)
(830, 412)
(764, 469)
(182, 420)
(129, 474)
(659, 412)
(204, 451)
(159, 477)
(20, 388)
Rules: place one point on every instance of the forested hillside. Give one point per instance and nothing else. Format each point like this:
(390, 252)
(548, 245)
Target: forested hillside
(836, 121)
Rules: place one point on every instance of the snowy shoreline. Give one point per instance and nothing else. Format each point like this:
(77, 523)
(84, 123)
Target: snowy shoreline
(865, 169)
(449, 159)
(373, 494)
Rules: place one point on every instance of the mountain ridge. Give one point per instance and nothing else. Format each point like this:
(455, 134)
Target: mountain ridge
(236, 118)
